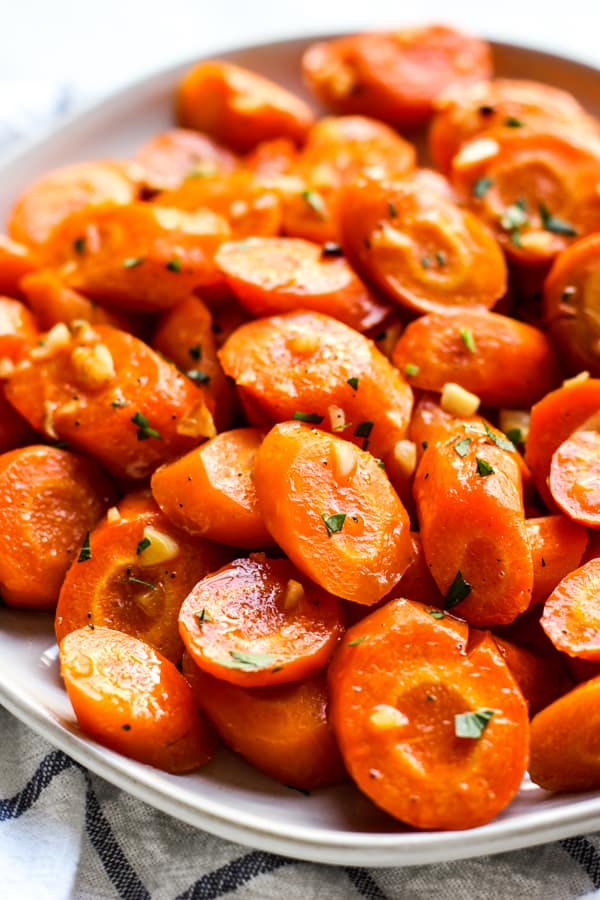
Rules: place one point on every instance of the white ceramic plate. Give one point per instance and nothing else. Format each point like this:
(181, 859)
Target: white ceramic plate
(227, 797)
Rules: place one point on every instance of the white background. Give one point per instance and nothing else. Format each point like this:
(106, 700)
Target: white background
(102, 44)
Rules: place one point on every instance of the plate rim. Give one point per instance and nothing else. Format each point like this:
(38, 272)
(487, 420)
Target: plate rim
(318, 844)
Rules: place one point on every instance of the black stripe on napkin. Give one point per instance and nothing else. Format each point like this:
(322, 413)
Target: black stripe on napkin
(234, 875)
(51, 766)
(584, 853)
(364, 883)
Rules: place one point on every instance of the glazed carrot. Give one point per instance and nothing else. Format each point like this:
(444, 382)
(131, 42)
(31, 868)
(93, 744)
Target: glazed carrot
(258, 622)
(131, 699)
(210, 491)
(185, 336)
(272, 158)
(332, 509)
(283, 731)
(553, 420)
(338, 150)
(541, 678)
(57, 194)
(505, 362)
(137, 258)
(557, 547)
(461, 115)
(574, 473)
(14, 429)
(49, 500)
(394, 76)
(571, 618)
(239, 107)
(417, 582)
(569, 304)
(278, 275)
(108, 394)
(137, 573)
(470, 507)
(172, 156)
(53, 302)
(429, 720)
(16, 261)
(18, 330)
(564, 754)
(536, 191)
(308, 366)
(417, 247)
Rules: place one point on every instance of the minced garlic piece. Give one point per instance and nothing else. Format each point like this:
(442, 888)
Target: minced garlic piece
(383, 717)
(405, 456)
(294, 592)
(458, 401)
(576, 379)
(198, 423)
(344, 459)
(94, 366)
(161, 548)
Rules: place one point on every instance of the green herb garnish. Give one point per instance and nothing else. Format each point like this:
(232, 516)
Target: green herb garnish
(462, 447)
(79, 245)
(333, 523)
(240, 660)
(132, 262)
(392, 209)
(316, 203)
(86, 551)
(174, 265)
(436, 614)
(555, 225)
(511, 122)
(356, 641)
(314, 418)
(483, 468)
(144, 429)
(131, 579)
(457, 592)
(499, 441)
(472, 724)
(466, 336)
(363, 429)
(411, 369)
(198, 376)
(143, 545)
(353, 382)
(203, 616)
(195, 352)
(481, 187)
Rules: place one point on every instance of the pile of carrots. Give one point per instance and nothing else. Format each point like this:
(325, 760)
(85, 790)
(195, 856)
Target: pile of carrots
(286, 478)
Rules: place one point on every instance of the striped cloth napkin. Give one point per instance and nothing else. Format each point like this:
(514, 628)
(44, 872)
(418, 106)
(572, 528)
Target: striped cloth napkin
(66, 833)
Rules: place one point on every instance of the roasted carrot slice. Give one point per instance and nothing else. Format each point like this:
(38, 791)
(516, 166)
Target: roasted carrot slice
(570, 304)
(505, 362)
(564, 741)
(138, 258)
(16, 261)
(505, 103)
(210, 491)
(57, 194)
(333, 511)
(394, 76)
(259, 622)
(272, 158)
(278, 275)
(172, 156)
(575, 477)
(557, 547)
(470, 507)
(430, 723)
(541, 677)
(135, 574)
(49, 500)
(417, 247)
(131, 699)
(239, 107)
(108, 394)
(310, 367)
(14, 429)
(571, 617)
(553, 419)
(18, 330)
(281, 730)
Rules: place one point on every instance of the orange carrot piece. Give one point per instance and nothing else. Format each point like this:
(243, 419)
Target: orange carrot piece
(430, 723)
(131, 699)
(258, 622)
(557, 547)
(172, 156)
(210, 491)
(564, 741)
(571, 616)
(16, 261)
(541, 678)
(18, 330)
(282, 731)
(574, 480)
(332, 509)
(49, 500)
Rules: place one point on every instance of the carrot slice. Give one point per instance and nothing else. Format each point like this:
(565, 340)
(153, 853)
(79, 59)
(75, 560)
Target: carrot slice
(564, 741)
(57, 194)
(557, 547)
(553, 419)
(18, 329)
(571, 617)
(430, 724)
(541, 677)
(258, 622)
(138, 258)
(131, 699)
(172, 156)
(575, 477)
(417, 247)
(14, 429)
(570, 304)
(240, 107)
(272, 158)
(276, 275)
(108, 394)
(394, 76)
(210, 491)
(470, 507)
(505, 362)
(333, 511)
(137, 573)
(49, 500)
(16, 261)
(310, 367)
(282, 730)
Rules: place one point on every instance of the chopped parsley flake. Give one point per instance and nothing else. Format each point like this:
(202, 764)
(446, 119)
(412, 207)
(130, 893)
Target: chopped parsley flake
(198, 376)
(313, 418)
(440, 257)
(515, 435)
(481, 187)
(204, 616)
(333, 523)
(392, 209)
(353, 382)
(316, 203)
(86, 551)
(466, 336)
(511, 122)
(240, 660)
(132, 262)
(411, 369)
(425, 262)
(363, 429)
(472, 724)
(462, 447)
(174, 265)
(483, 467)
(457, 592)
(143, 545)
(117, 404)
(79, 245)
(437, 614)
(556, 226)
(356, 641)
(195, 352)
(499, 441)
(144, 429)
(131, 579)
